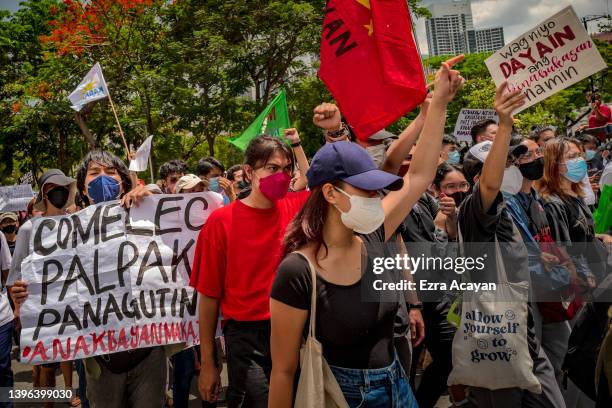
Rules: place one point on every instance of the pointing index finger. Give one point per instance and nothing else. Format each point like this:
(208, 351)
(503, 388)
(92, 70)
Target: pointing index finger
(455, 60)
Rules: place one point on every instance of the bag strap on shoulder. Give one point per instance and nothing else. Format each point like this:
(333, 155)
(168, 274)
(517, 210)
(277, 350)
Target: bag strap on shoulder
(313, 296)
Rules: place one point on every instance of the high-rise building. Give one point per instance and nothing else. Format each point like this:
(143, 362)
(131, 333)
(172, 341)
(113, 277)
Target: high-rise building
(450, 30)
(485, 39)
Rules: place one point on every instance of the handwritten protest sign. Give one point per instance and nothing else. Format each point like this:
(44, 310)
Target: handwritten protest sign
(548, 58)
(103, 280)
(15, 198)
(468, 118)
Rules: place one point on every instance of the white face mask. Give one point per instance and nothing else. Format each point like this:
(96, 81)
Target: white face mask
(513, 180)
(377, 153)
(366, 214)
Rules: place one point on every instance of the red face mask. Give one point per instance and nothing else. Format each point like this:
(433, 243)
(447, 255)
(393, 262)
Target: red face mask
(276, 186)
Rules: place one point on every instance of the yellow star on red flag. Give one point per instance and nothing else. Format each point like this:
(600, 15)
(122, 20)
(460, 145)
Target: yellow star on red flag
(370, 26)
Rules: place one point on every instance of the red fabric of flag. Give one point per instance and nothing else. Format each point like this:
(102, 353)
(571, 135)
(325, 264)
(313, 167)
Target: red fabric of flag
(370, 63)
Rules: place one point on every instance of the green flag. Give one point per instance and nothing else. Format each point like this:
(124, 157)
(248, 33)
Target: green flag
(272, 121)
(603, 214)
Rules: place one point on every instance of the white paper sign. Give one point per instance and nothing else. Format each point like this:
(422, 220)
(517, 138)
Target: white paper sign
(550, 57)
(468, 118)
(103, 281)
(15, 198)
(142, 156)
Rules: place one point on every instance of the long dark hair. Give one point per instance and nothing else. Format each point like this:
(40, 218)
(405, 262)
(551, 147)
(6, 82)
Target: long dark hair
(307, 226)
(442, 170)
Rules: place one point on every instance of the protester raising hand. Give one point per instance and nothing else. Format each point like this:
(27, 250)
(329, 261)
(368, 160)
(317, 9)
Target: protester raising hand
(397, 204)
(506, 103)
(327, 116)
(495, 163)
(448, 81)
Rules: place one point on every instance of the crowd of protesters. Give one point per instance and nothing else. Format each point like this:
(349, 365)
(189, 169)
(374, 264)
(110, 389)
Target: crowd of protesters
(292, 226)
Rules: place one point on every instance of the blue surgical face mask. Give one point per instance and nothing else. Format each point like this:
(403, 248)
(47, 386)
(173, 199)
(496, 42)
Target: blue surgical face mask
(454, 157)
(590, 154)
(103, 188)
(576, 169)
(213, 184)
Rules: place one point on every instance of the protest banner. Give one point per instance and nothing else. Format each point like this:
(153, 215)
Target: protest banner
(550, 57)
(15, 198)
(468, 118)
(105, 280)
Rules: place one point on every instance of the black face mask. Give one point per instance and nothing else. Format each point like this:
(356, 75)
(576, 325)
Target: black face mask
(58, 197)
(533, 170)
(458, 196)
(9, 229)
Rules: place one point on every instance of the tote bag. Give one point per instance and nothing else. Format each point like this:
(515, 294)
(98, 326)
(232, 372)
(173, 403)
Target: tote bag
(490, 348)
(317, 386)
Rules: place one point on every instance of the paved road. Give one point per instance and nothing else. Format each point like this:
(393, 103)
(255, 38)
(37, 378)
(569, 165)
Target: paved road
(23, 380)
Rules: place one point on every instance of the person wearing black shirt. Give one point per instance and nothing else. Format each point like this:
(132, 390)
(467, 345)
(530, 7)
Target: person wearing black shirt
(419, 234)
(483, 219)
(570, 219)
(357, 336)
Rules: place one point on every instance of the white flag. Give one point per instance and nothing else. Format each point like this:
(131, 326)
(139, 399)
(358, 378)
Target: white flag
(142, 156)
(91, 88)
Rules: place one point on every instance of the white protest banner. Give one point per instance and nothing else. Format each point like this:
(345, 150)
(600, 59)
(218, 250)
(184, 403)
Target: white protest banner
(548, 58)
(92, 88)
(103, 280)
(468, 118)
(15, 198)
(142, 156)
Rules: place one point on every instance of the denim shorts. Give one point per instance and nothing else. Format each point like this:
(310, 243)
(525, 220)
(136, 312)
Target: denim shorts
(377, 388)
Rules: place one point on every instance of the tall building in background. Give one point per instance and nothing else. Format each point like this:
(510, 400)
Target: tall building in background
(450, 30)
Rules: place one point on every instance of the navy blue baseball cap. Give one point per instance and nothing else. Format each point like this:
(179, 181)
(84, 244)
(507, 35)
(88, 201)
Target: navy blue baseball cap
(349, 162)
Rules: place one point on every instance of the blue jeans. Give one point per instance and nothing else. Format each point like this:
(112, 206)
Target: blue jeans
(377, 388)
(6, 374)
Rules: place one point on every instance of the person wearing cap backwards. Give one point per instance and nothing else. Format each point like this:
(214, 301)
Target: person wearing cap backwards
(483, 219)
(9, 224)
(56, 197)
(343, 219)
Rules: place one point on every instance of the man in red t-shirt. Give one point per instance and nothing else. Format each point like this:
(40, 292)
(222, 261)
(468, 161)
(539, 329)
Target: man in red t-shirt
(600, 115)
(235, 261)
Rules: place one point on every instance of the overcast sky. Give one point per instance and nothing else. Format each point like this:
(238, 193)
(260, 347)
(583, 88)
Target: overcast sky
(518, 16)
(9, 4)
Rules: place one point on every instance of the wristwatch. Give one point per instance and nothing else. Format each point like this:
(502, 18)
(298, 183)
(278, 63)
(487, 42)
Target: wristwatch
(415, 306)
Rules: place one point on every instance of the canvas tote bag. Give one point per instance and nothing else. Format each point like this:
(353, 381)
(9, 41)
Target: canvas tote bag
(490, 347)
(317, 386)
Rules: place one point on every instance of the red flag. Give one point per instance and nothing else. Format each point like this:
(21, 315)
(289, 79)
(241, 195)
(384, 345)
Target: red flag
(370, 63)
